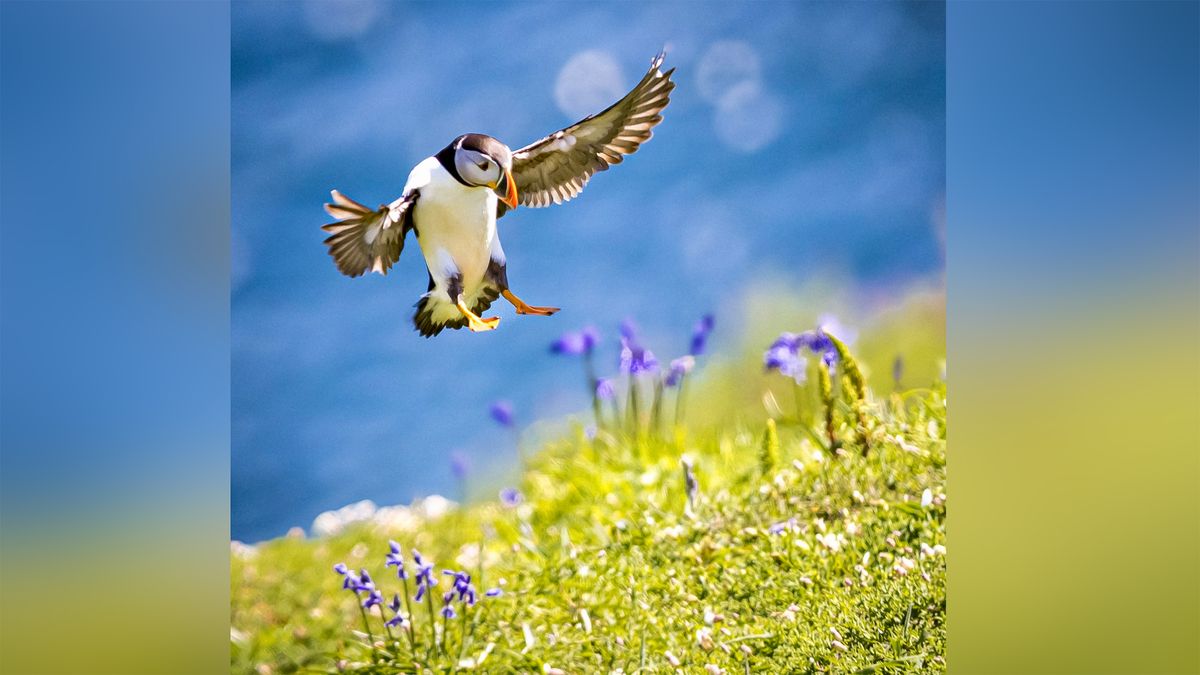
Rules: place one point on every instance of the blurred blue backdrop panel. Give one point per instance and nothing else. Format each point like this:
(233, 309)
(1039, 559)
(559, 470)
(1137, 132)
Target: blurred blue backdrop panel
(802, 141)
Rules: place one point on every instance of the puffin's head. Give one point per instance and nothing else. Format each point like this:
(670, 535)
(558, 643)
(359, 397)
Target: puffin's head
(483, 161)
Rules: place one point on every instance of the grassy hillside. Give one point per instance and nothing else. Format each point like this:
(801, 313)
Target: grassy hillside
(754, 534)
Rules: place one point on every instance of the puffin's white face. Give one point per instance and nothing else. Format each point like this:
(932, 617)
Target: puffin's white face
(477, 168)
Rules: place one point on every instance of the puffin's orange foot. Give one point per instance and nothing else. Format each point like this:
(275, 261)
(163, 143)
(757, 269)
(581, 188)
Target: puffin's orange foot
(523, 308)
(474, 321)
(481, 324)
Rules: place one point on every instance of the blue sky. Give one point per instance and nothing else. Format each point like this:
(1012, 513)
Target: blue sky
(802, 141)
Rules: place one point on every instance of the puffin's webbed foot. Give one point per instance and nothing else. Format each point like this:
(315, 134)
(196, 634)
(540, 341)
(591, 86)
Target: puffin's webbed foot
(474, 322)
(523, 308)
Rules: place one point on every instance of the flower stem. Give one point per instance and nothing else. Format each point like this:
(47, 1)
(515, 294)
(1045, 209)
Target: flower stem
(367, 625)
(412, 642)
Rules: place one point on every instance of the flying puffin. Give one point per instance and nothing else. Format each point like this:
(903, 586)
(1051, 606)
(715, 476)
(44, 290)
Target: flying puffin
(452, 200)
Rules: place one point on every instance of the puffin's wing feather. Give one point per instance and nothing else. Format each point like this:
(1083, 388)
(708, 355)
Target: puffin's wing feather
(365, 240)
(555, 169)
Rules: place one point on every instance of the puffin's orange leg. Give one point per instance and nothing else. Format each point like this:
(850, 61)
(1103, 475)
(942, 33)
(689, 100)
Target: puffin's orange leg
(523, 308)
(474, 322)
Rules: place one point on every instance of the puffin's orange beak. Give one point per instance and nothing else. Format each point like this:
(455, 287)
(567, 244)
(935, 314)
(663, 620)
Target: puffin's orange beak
(510, 194)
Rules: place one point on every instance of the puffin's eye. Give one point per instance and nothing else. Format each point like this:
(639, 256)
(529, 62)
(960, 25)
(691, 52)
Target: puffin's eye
(484, 165)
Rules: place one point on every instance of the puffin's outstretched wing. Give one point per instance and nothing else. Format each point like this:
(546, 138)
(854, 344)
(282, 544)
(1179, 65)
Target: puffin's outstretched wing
(555, 169)
(363, 239)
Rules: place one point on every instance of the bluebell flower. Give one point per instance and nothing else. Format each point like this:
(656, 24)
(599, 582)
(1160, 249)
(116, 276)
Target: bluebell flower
(829, 323)
(786, 360)
(511, 497)
(629, 329)
(569, 343)
(424, 576)
(590, 337)
(604, 389)
(494, 593)
(502, 412)
(341, 569)
(396, 620)
(365, 584)
(700, 334)
(572, 343)
(590, 431)
(635, 359)
(394, 557)
(373, 598)
(460, 465)
(394, 605)
(679, 367)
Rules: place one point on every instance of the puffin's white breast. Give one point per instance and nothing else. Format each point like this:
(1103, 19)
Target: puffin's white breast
(456, 224)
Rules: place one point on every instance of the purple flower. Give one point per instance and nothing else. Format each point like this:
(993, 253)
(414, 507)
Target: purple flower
(395, 620)
(447, 605)
(460, 465)
(700, 334)
(590, 337)
(394, 557)
(502, 412)
(365, 584)
(494, 593)
(573, 343)
(590, 431)
(829, 323)
(374, 598)
(424, 576)
(341, 569)
(511, 497)
(394, 605)
(604, 389)
(786, 360)
(629, 329)
(679, 367)
(635, 360)
(781, 527)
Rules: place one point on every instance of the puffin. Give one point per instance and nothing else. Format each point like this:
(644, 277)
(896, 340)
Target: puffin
(452, 199)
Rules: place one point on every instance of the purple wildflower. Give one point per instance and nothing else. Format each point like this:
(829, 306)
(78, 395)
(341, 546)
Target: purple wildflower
(604, 389)
(781, 527)
(394, 557)
(829, 323)
(629, 329)
(341, 569)
(424, 576)
(394, 605)
(502, 412)
(396, 620)
(590, 431)
(785, 359)
(679, 367)
(460, 465)
(511, 497)
(494, 593)
(365, 584)
(700, 334)
(635, 359)
(374, 598)
(573, 343)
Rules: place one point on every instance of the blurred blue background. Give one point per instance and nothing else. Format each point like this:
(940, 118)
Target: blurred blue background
(803, 141)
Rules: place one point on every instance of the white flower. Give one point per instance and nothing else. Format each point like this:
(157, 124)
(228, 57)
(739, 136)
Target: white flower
(926, 498)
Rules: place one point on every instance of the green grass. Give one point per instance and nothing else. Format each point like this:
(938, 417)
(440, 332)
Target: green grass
(606, 567)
